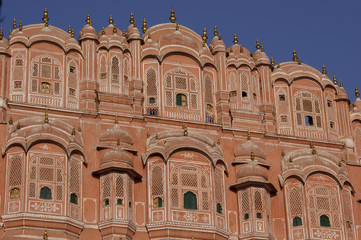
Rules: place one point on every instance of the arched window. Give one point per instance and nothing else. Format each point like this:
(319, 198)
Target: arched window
(45, 87)
(308, 110)
(219, 208)
(324, 221)
(151, 85)
(15, 193)
(190, 200)
(115, 70)
(297, 221)
(125, 76)
(106, 202)
(246, 216)
(259, 215)
(181, 100)
(45, 193)
(244, 86)
(73, 198)
(157, 202)
(103, 68)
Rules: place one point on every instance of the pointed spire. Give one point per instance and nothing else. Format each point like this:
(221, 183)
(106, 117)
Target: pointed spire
(176, 26)
(103, 31)
(144, 26)
(20, 26)
(9, 33)
(172, 17)
(45, 18)
(72, 33)
(131, 20)
(241, 49)
(1, 33)
(312, 146)
(324, 69)
(235, 39)
(278, 65)
(341, 83)
(334, 79)
(262, 48)
(357, 94)
(257, 44)
(294, 55)
(88, 21)
(46, 118)
(134, 24)
(123, 33)
(14, 24)
(115, 28)
(215, 31)
(299, 60)
(251, 53)
(272, 61)
(73, 132)
(219, 36)
(204, 37)
(45, 235)
(111, 19)
(69, 29)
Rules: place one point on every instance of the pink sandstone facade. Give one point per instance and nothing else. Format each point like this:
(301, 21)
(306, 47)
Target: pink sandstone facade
(119, 135)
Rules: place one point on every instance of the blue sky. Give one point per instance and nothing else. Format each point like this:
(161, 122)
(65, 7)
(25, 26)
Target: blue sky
(322, 32)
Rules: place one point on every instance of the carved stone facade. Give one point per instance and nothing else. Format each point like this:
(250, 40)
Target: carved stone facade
(162, 136)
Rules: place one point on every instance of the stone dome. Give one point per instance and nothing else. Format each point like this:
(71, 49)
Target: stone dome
(117, 157)
(246, 148)
(132, 32)
(252, 169)
(87, 32)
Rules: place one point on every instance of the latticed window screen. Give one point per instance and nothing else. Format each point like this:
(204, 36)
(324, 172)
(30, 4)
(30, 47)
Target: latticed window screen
(283, 106)
(190, 183)
(258, 202)
(47, 171)
(106, 187)
(157, 181)
(72, 79)
(295, 202)
(115, 70)
(308, 112)
(357, 139)
(75, 178)
(208, 93)
(103, 68)
(347, 210)
(219, 187)
(151, 84)
(18, 72)
(46, 71)
(125, 76)
(244, 86)
(245, 202)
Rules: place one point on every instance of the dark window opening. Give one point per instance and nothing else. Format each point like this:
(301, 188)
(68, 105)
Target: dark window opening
(219, 208)
(190, 200)
(259, 215)
(284, 118)
(309, 120)
(332, 124)
(246, 216)
(71, 92)
(17, 84)
(120, 201)
(324, 221)
(329, 104)
(181, 100)
(157, 202)
(45, 87)
(73, 198)
(45, 193)
(130, 204)
(106, 202)
(233, 93)
(297, 221)
(244, 94)
(151, 100)
(152, 111)
(282, 98)
(72, 69)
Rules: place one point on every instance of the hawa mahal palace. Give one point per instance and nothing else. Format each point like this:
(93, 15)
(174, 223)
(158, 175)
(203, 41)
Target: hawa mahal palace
(161, 135)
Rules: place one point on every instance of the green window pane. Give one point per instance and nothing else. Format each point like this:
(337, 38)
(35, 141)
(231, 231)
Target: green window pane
(190, 200)
(45, 193)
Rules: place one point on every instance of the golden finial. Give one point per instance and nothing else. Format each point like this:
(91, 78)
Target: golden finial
(214, 144)
(291, 160)
(231, 50)
(219, 36)
(156, 136)
(294, 55)
(185, 130)
(131, 20)
(134, 24)
(149, 37)
(176, 26)
(324, 69)
(257, 44)
(148, 134)
(312, 146)
(241, 49)
(219, 141)
(299, 60)
(18, 125)
(111, 19)
(278, 65)
(341, 83)
(262, 48)
(115, 28)
(357, 94)
(215, 31)
(1, 33)
(183, 125)
(251, 53)
(334, 79)
(73, 132)
(103, 31)
(116, 120)
(45, 236)
(69, 29)
(72, 33)
(91, 24)
(235, 40)
(340, 163)
(14, 24)
(283, 153)
(252, 155)
(46, 119)
(45, 18)
(172, 17)
(204, 37)
(118, 142)
(88, 20)
(20, 26)
(272, 61)
(249, 135)
(120, 238)
(144, 25)
(123, 33)
(11, 121)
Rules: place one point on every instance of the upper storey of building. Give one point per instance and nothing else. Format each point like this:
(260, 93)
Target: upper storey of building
(170, 72)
